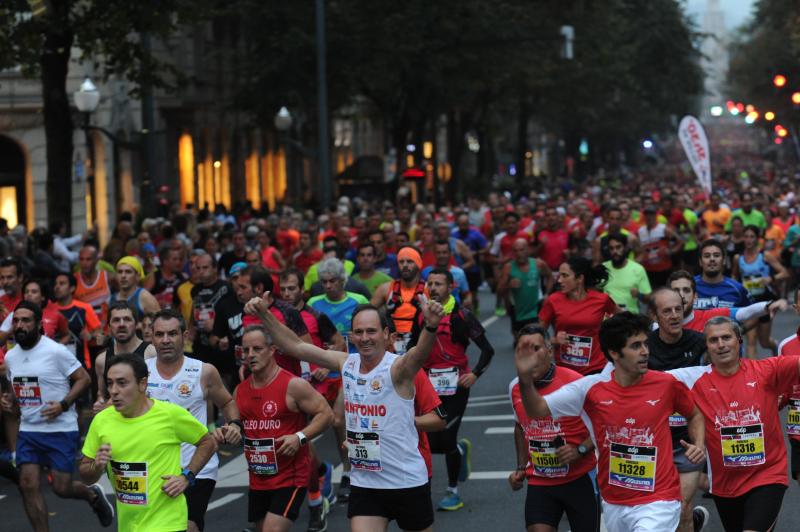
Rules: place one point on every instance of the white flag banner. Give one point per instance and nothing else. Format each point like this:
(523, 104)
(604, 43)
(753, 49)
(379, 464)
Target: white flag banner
(695, 144)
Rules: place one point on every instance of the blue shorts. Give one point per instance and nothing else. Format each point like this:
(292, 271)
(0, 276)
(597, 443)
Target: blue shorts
(55, 450)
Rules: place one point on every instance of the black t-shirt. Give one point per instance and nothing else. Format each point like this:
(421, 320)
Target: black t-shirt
(228, 259)
(685, 353)
(206, 301)
(228, 323)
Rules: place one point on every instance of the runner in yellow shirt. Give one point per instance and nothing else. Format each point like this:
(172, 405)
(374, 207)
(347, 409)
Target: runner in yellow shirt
(138, 445)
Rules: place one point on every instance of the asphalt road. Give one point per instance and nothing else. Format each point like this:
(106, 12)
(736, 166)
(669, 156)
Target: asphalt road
(489, 502)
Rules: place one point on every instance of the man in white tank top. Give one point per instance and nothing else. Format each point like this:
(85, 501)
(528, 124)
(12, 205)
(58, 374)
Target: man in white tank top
(389, 479)
(189, 383)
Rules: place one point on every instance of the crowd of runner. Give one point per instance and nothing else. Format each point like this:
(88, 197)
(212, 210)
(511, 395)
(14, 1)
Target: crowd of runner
(636, 317)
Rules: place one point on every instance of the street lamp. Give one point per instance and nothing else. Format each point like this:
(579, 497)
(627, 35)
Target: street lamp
(283, 120)
(87, 98)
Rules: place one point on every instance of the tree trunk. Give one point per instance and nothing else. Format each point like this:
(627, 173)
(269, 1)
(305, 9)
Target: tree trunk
(57, 119)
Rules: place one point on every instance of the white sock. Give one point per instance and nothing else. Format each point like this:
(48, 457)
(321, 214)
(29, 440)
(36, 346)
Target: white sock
(346, 474)
(454, 490)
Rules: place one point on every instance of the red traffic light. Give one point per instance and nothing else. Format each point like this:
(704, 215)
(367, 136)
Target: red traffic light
(779, 80)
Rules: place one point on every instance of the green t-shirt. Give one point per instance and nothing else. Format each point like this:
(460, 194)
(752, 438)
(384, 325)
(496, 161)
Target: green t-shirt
(620, 282)
(312, 275)
(143, 449)
(528, 295)
(691, 220)
(377, 279)
(754, 218)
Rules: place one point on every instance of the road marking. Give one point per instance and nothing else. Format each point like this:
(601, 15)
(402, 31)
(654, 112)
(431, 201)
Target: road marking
(499, 430)
(488, 321)
(489, 475)
(488, 397)
(499, 417)
(225, 499)
(489, 403)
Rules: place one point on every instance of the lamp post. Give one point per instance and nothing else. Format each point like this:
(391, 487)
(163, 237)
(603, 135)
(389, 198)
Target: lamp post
(284, 124)
(87, 98)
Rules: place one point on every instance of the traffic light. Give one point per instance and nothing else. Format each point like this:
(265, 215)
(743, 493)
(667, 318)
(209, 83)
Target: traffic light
(779, 80)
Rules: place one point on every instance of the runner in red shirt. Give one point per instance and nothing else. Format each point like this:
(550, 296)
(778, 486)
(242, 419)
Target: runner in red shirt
(552, 241)
(739, 400)
(274, 406)
(628, 407)
(556, 457)
(695, 319)
(11, 282)
(576, 313)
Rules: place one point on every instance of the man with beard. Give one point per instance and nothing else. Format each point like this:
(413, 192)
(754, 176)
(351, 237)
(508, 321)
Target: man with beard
(613, 224)
(683, 282)
(122, 321)
(401, 296)
(448, 370)
(189, 383)
(47, 379)
(672, 347)
(714, 289)
(627, 279)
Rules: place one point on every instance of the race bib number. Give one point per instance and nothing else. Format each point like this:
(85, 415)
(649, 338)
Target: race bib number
(754, 285)
(444, 380)
(204, 313)
(743, 446)
(677, 420)
(632, 467)
(260, 456)
(130, 482)
(578, 350)
(28, 392)
(364, 450)
(544, 460)
(793, 417)
(165, 297)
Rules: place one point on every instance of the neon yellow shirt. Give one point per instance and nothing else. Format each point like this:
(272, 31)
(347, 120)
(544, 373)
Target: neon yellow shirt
(143, 449)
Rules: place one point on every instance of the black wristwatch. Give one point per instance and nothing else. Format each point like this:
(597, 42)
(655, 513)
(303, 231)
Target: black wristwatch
(238, 423)
(64, 405)
(431, 329)
(582, 450)
(186, 472)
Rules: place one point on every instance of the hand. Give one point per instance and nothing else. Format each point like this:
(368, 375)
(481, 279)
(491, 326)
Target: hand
(516, 479)
(766, 281)
(561, 338)
(102, 457)
(99, 406)
(52, 410)
(7, 402)
(567, 454)
(228, 434)
(224, 344)
(174, 485)
(515, 283)
(288, 445)
(693, 453)
(525, 361)
(432, 311)
(778, 306)
(320, 374)
(259, 305)
(466, 380)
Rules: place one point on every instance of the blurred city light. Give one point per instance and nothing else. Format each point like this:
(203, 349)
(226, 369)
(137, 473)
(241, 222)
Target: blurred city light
(647, 144)
(716, 110)
(779, 80)
(796, 98)
(769, 116)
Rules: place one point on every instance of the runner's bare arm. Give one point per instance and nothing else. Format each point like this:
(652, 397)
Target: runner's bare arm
(150, 352)
(91, 469)
(407, 366)
(430, 422)
(206, 447)
(300, 396)
(780, 271)
(216, 391)
(379, 297)
(545, 273)
(288, 342)
(517, 477)
(534, 403)
(695, 451)
(149, 303)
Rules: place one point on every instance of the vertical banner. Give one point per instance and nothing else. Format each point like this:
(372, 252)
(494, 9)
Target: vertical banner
(695, 144)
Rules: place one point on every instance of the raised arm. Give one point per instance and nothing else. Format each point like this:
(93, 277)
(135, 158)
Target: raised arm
(288, 342)
(534, 403)
(407, 366)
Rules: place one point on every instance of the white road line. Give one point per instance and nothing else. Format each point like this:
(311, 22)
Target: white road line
(489, 321)
(489, 475)
(499, 417)
(225, 499)
(499, 430)
(489, 403)
(488, 397)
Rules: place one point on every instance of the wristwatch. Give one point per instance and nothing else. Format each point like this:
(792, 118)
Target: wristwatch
(186, 472)
(303, 439)
(582, 450)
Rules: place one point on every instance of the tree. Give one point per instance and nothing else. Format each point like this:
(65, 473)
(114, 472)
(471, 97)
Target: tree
(107, 32)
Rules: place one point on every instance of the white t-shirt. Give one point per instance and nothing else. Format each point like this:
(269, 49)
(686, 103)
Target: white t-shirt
(39, 375)
(6, 325)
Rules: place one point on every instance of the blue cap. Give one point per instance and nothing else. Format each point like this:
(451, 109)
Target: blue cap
(148, 247)
(237, 267)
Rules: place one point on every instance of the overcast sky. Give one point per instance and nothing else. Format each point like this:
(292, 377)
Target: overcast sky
(736, 11)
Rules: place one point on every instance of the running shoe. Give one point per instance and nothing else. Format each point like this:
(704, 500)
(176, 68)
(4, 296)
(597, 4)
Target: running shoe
(343, 493)
(700, 517)
(465, 448)
(499, 312)
(318, 516)
(102, 508)
(327, 486)
(450, 503)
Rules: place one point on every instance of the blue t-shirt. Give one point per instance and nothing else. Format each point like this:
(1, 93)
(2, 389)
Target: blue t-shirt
(726, 293)
(459, 280)
(339, 312)
(474, 240)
